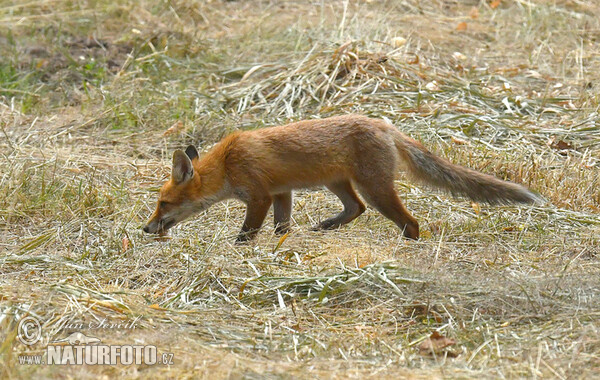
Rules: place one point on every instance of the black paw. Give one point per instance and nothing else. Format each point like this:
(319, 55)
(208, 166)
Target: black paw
(242, 238)
(324, 226)
(282, 229)
(245, 236)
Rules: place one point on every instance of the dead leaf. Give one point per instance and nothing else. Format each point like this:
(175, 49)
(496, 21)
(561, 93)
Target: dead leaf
(414, 61)
(417, 309)
(557, 144)
(106, 305)
(380, 58)
(494, 4)
(435, 343)
(562, 145)
(474, 13)
(476, 207)
(459, 56)
(125, 245)
(432, 86)
(567, 104)
(461, 27)
(458, 141)
(435, 227)
(26, 276)
(398, 42)
(360, 328)
(280, 242)
(425, 234)
(241, 293)
(41, 63)
(176, 127)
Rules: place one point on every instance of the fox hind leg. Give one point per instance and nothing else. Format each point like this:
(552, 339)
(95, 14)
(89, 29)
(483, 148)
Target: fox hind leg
(385, 199)
(353, 206)
(282, 212)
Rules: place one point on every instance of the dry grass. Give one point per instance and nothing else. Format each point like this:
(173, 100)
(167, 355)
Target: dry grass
(87, 90)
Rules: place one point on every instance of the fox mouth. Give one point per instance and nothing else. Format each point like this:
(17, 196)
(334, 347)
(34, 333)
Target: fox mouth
(165, 224)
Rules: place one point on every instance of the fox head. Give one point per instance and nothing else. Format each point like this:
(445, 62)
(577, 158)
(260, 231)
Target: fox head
(181, 196)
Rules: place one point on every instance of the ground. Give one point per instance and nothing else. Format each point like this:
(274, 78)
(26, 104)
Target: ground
(96, 95)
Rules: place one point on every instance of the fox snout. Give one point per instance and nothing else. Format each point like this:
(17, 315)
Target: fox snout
(158, 225)
(149, 229)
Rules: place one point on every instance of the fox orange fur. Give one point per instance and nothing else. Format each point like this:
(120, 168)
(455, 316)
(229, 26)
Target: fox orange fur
(344, 154)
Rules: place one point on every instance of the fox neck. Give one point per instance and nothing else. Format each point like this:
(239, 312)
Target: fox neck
(212, 182)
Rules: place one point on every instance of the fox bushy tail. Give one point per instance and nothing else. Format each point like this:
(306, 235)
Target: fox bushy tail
(458, 180)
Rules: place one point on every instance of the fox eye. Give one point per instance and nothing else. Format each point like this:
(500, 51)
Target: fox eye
(162, 204)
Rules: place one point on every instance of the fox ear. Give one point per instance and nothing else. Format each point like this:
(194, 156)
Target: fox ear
(191, 152)
(182, 167)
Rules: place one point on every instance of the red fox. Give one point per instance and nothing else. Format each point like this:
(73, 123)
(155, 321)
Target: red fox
(262, 167)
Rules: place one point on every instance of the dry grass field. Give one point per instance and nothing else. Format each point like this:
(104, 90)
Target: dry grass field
(96, 94)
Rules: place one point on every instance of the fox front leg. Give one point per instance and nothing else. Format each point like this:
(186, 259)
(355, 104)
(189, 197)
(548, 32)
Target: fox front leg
(255, 215)
(282, 212)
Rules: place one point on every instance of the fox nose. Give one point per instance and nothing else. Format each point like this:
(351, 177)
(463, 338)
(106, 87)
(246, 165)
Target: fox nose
(146, 229)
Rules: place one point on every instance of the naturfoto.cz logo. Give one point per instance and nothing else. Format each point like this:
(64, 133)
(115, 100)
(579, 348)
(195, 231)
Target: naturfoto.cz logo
(78, 349)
